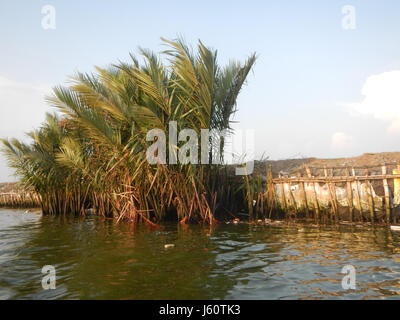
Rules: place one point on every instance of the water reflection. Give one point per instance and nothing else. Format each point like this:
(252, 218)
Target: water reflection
(98, 259)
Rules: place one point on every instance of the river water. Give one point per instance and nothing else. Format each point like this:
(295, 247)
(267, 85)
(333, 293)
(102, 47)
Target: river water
(96, 259)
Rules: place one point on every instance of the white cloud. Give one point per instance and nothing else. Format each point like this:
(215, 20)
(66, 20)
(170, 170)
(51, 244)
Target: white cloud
(381, 99)
(341, 140)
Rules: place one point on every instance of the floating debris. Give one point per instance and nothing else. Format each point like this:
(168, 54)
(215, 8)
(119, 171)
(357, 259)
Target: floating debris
(169, 246)
(395, 228)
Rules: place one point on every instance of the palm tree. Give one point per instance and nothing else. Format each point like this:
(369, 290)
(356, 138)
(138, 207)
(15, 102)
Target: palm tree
(96, 154)
(40, 170)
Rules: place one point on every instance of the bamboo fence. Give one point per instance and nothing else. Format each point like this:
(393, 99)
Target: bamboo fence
(370, 194)
(19, 200)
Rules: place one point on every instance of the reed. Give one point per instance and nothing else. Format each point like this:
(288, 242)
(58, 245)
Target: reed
(259, 197)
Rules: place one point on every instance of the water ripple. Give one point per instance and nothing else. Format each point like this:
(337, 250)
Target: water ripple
(97, 259)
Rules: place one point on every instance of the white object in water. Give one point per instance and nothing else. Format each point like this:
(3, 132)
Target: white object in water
(168, 246)
(395, 228)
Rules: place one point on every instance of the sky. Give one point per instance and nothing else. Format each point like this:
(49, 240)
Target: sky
(326, 82)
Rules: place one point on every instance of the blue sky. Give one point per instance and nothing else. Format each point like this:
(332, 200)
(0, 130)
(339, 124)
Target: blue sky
(316, 90)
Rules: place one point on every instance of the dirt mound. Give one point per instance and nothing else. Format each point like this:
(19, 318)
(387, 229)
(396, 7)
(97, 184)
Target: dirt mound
(373, 161)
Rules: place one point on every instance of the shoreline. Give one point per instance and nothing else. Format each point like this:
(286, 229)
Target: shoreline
(283, 223)
(359, 190)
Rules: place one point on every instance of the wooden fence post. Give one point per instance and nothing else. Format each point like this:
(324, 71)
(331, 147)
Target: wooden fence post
(370, 199)
(292, 197)
(349, 196)
(316, 205)
(333, 186)
(333, 209)
(387, 195)
(303, 192)
(283, 194)
(358, 197)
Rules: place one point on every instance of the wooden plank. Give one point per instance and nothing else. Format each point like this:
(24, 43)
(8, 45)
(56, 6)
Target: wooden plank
(359, 167)
(396, 211)
(316, 205)
(339, 178)
(370, 199)
(304, 195)
(333, 186)
(283, 200)
(333, 209)
(387, 195)
(349, 196)
(358, 197)
(292, 198)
